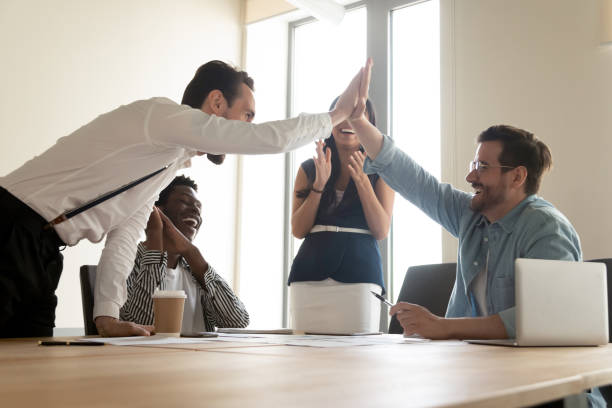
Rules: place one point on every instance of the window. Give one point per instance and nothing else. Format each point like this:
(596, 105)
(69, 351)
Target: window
(217, 231)
(324, 60)
(301, 66)
(261, 203)
(415, 127)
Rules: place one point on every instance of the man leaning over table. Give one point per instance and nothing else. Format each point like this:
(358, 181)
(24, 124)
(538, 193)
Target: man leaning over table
(111, 151)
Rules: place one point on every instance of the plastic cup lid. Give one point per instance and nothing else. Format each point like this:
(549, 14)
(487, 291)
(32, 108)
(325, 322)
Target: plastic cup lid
(169, 294)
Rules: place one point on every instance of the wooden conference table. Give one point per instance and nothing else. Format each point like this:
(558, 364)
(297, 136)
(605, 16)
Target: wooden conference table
(222, 374)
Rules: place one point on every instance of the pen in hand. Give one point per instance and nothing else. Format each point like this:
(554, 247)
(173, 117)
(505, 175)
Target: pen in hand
(386, 302)
(382, 299)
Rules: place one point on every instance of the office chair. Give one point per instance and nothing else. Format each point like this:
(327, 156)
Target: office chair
(429, 286)
(606, 391)
(88, 280)
(608, 263)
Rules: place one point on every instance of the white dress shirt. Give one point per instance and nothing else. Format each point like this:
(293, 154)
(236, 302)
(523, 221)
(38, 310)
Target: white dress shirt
(123, 145)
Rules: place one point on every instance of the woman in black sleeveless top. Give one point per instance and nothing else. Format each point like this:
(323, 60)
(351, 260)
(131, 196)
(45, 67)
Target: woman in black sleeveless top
(341, 212)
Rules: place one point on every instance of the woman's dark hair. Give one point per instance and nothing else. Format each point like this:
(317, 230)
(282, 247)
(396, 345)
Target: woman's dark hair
(520, 148)
(178, 181)
(329, 195)
(215, 75)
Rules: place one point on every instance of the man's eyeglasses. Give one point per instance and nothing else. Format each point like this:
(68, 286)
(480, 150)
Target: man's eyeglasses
(480, 166)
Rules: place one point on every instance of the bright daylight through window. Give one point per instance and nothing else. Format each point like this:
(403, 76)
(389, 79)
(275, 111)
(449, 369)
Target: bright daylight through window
(322, 59)
(325, 58)
(415, 127)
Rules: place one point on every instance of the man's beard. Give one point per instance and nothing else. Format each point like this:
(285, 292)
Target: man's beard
(486, 199)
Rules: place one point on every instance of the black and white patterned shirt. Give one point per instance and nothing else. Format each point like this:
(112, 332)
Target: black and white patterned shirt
(220, 306)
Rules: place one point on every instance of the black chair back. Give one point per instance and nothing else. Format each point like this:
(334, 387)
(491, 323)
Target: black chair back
(429, 286)
(88, 280)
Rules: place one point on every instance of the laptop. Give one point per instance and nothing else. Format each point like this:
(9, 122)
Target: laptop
(558, 303)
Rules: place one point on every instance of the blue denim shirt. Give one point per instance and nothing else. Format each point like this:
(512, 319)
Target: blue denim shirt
(532, 229)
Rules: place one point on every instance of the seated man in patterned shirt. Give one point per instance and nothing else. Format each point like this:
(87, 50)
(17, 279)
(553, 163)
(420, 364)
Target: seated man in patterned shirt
(168, 260)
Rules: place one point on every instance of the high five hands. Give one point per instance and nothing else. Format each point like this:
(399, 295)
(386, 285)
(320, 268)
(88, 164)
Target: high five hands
(351, 103)
(364, 88)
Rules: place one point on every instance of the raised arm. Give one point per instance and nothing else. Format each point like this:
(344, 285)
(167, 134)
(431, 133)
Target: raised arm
(194, 129)
(440, 201)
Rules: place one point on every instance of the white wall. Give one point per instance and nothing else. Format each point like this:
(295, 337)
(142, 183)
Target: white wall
(536, 65)
(64, 62)
(261, 9)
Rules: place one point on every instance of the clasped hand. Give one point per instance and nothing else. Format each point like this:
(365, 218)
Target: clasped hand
(162, 231)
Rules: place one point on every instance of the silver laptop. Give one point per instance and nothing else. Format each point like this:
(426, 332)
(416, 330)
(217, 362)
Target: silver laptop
(559, 303)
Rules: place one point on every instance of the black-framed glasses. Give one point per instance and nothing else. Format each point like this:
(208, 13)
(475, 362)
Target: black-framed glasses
(480, 166)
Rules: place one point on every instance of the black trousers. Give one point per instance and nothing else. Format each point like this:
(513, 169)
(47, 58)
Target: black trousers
(30, 269)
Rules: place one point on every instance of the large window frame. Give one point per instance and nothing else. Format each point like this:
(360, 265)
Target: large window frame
(379, 48)
(289, 249)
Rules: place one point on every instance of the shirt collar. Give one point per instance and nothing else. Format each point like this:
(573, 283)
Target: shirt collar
(184, 263)
(508, 222)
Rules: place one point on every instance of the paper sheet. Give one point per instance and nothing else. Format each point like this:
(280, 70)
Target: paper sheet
(147, 340)
(306, 340)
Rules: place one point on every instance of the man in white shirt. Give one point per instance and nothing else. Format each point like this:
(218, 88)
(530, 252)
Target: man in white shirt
(111, 151)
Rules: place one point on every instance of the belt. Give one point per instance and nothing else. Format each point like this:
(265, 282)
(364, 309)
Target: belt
(333, 228)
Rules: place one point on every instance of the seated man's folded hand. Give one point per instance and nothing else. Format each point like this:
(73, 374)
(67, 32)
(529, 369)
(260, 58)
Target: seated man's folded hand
(110, 327)
(174, 240)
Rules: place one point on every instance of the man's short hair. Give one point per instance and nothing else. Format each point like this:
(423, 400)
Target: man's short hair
(520, 148)
(215, 75)
(178, 181)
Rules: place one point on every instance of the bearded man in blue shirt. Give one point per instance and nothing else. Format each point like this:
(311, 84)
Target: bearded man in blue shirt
(503, 220)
